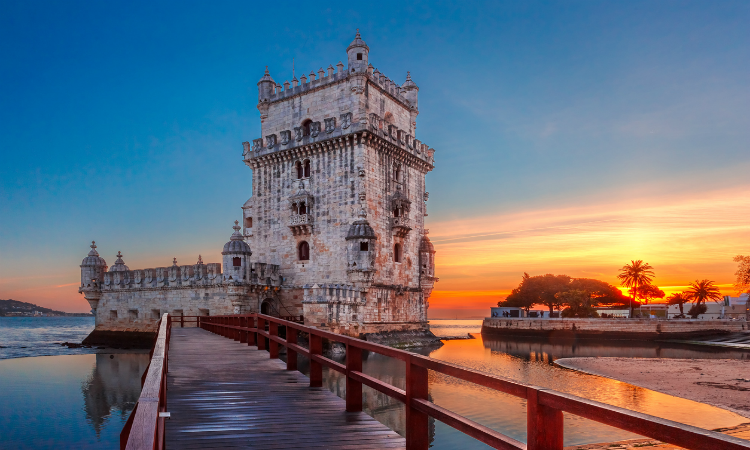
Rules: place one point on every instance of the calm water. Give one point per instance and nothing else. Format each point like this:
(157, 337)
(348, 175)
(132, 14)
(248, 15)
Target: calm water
(83, 400)
(531, 361)
(80, 400)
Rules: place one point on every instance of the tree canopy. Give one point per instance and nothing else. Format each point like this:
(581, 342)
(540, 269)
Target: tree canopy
(650, 292)
(558, 291)
(702, 291)
(742, 283)
(635, 275)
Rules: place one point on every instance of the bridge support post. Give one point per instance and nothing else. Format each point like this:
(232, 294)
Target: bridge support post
(273, 346)
(353, 388)
(316, 369)
(544, 425)
(243, 333)
(251, 335)
(261, 338)
(417, 435)
(291, 355)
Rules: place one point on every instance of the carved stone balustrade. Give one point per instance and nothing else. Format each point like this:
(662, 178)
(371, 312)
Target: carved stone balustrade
(301, 224)
(400, 226)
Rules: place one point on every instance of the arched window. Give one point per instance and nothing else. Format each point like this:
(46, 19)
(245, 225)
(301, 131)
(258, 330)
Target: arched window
(396, 212)
(397, 173)
(303, 251)
(397, 253)
(236, 261)
(364, 246)
(248, 222)
(307, 169)
(300, 173)
(306, 127)
(302, 208)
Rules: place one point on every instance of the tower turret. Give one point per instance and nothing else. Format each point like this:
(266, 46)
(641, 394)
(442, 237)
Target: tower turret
(357, 55)
(360, 247)
(92, 276)
(266, 87)
(236, 255)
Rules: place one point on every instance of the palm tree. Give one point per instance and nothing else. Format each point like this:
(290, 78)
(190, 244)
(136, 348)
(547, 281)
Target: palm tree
(704, 290)
(634, 275)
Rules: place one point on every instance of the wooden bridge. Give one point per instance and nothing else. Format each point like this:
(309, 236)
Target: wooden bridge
(227, 388)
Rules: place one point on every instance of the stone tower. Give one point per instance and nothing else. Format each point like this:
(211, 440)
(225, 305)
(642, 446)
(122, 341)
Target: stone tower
(339, 197)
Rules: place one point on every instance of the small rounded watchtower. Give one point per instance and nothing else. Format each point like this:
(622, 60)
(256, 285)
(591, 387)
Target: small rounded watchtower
(119, 265)
(357, 55)
(93, 267)
(235, 256)
(360, 245)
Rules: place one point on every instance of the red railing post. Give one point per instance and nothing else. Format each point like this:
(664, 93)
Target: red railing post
(182, 321)
(417, 436)
(291, 355)
(544, 425)
(353, 388)
(251, 335)
(261, 338)
(316, 369)
(243, 333)
(273, 346)
(236, 333)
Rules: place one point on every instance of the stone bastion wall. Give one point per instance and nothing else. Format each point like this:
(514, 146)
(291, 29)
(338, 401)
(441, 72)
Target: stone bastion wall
(610, 328)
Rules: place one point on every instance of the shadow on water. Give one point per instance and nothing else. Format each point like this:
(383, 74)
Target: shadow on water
(112, 389)
(74, 401)
(532, 361)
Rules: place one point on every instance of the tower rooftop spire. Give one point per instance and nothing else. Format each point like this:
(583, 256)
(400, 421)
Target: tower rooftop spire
(358, 42)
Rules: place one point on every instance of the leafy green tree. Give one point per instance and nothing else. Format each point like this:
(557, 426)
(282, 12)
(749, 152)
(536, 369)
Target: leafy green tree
(650, 292)
(578, 303)
(540, 289)
(678, 298)
(697, 310)
(702, 291)
(635, 275)
(599, 292)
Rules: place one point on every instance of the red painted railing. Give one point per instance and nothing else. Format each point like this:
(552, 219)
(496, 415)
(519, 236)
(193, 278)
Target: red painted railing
(145, 426)
(545, 407)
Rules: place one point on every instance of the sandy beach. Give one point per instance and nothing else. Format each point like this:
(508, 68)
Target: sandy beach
(724, 383)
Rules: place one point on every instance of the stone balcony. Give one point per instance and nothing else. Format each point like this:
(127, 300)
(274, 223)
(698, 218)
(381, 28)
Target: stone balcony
(400, 226)
(301, 224)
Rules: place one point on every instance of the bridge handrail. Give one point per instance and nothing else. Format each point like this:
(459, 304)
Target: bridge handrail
(544, 406)
(145, 426)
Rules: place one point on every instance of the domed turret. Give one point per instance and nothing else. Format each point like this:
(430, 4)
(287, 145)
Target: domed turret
(410, 91)
(265, 87)
(93, 267)
(119, 265)
(426, 257)
(360, 246)
(236, 254)
(93, 258)
(357, 54)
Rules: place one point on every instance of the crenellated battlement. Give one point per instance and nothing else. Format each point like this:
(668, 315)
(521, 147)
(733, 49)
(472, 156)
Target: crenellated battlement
(185, 276)
(305, 85)
(376, 125)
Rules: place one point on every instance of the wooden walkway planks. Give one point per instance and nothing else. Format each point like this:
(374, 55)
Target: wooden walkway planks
(224, 394)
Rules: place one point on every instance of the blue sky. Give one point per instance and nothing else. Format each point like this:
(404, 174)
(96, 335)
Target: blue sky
(123, 121)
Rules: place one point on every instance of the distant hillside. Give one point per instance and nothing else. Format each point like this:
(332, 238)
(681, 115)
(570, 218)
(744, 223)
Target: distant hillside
(16, 308)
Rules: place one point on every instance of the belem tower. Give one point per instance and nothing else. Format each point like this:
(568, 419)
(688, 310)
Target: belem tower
(333, 231)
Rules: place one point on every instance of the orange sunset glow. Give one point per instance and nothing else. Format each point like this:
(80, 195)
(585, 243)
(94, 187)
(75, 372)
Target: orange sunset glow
(481, 259)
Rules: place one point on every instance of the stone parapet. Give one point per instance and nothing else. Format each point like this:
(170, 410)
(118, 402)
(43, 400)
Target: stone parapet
(610, 328)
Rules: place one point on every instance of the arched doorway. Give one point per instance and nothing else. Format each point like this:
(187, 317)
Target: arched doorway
(267, 308)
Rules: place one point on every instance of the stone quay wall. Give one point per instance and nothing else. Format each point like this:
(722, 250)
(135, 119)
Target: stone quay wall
(610, 328)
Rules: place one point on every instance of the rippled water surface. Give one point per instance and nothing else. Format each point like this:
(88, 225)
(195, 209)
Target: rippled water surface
(532, 362)
(42, 336)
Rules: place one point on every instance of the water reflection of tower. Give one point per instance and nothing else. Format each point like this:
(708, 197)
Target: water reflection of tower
(113, 387)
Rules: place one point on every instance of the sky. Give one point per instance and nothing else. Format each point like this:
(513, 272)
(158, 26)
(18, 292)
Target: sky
(570, 137)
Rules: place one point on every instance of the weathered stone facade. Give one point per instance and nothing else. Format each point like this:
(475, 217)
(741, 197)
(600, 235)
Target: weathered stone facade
(335, 221)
